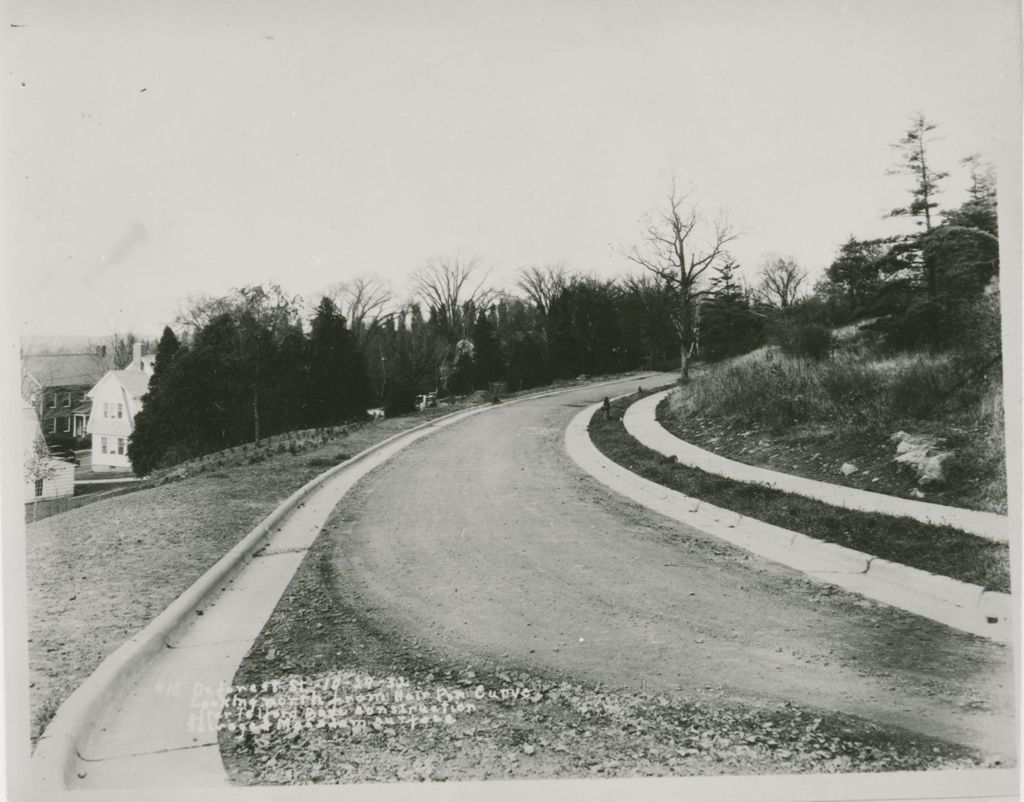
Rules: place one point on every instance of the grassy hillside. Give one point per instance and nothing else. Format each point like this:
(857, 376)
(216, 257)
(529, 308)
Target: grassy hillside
(810, 418)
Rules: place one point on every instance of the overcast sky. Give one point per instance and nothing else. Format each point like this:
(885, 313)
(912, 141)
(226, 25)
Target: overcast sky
(154, 150)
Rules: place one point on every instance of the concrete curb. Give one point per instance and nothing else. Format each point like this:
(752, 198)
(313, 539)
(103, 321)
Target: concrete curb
(641, 423)
(961, 605)
(54, 759)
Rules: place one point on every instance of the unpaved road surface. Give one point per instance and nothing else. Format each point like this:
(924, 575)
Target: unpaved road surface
(487, 542)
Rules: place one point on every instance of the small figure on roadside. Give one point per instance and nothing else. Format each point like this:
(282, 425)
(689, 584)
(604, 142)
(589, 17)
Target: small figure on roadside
(607, 407)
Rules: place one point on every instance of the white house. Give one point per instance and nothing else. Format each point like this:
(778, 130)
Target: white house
(45, 476)
(116, 400)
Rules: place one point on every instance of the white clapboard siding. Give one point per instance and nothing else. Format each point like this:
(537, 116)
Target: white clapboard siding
(61, 484)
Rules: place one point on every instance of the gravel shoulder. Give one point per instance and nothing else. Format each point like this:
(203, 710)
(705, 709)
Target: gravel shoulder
(483, 549)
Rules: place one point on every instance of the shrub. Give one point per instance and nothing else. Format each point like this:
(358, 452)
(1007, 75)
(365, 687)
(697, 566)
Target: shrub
(978, 349)
(65, 440)
(808, 340)
(327, 461)
(780, 392)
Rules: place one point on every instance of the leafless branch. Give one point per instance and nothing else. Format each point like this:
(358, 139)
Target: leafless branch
(453, 287)
(542, 284)
(366, 304)
(780, 282)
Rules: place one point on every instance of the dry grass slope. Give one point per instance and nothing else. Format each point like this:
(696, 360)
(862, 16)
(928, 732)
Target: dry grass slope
(809, 418)
(99, 573)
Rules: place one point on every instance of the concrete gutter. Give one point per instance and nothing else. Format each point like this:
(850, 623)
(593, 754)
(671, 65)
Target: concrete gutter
(54, 759)
(961, 605)
(58, 751)
(641, 423)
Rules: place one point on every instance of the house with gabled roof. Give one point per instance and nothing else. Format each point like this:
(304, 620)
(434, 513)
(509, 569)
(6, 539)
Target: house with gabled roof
(56, 385)
(116, 400)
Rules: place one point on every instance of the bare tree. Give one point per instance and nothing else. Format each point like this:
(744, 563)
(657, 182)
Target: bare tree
(450, 287)
(680, 247)
(366, 304)
(119, 351)
(779, 282)
(542, 284)
(198, 310)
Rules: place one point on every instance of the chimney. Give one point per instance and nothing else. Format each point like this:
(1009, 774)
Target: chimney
(137, 356)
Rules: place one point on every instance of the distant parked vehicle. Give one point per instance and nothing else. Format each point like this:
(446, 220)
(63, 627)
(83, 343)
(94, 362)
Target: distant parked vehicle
(64, 453)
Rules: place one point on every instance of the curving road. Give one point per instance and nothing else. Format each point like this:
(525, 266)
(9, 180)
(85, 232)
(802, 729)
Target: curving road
(488, 542)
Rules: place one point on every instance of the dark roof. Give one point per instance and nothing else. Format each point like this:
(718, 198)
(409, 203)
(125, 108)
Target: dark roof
(65, 370)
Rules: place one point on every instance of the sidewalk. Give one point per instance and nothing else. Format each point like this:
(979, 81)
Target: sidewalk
(148, 716)
(960, 605)
(640, 422)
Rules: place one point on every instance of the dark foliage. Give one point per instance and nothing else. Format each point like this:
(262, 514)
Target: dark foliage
(586, 334)
(729, 325)
(488, 364)
(249, 372)
(525, 364)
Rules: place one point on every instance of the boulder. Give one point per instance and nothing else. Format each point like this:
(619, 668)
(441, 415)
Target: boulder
(922, 453)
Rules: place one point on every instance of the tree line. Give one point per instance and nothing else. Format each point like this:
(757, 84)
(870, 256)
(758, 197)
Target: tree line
(253, 363)
(933, 288)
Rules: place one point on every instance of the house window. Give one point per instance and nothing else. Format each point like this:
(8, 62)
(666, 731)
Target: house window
(39, 488)
(103, 445)
(106, 410)
(53, 426)
(84, 395)
(67, 400)
(53, 400)
(120, 410)
(67, 424)
(120, 445)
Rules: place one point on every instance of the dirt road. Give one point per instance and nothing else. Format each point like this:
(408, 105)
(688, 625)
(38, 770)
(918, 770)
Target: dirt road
(488, 543)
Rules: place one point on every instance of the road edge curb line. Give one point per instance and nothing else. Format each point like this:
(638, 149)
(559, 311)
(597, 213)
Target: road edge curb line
(53, 760)
(641, 422)
(958, 604)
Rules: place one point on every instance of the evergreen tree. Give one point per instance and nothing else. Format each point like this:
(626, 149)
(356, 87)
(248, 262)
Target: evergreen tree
(586, 335)
(154, 426)
(855, 279)
(339, 384)
(487, 362)
(526, 364)
(916, 251)
(729, 325)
